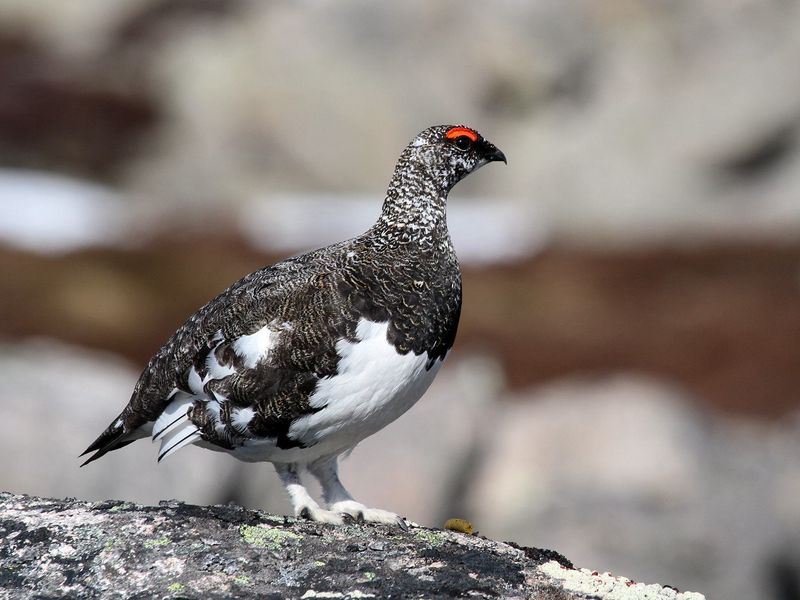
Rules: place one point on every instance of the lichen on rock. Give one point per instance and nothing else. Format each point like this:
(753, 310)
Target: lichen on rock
(83, 550)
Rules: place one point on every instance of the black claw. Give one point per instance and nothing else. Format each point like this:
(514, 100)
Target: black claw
(360, 517)
(402, 524)
(348, 518)
(305, 513)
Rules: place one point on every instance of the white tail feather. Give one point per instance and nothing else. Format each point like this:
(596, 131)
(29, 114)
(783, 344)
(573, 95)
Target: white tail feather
(178, 439)
(173, 415)
(173, 428)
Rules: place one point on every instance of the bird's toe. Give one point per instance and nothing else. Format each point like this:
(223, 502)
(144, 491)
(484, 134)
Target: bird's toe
(376, 515)
(361, 513)
(350, 519)
(349, 507)
(320, 515)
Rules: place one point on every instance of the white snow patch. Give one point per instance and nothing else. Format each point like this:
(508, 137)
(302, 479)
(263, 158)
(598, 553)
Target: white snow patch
(484, 230)
(606, 585)
(53, 213)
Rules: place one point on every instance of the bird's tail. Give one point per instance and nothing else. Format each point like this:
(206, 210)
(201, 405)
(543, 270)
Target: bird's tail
(112, 438)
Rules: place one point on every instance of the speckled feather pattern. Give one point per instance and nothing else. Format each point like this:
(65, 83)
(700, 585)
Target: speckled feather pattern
(403, 272)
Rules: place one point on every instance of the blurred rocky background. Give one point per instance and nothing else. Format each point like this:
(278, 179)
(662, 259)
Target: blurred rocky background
(625, 387)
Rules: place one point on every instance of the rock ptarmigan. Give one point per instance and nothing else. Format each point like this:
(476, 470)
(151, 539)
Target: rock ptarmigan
(298, 362)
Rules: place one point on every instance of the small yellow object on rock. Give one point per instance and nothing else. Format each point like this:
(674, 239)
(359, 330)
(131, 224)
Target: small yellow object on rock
(460, 525)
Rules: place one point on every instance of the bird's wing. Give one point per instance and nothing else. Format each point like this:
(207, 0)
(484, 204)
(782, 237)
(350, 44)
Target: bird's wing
(257, 350)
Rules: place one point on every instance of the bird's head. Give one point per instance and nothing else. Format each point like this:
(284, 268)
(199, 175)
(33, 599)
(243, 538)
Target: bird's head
(448, 153)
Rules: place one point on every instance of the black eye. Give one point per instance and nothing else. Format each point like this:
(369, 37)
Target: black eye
(463, 143)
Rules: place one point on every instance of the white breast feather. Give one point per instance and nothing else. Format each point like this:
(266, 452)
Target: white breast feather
(373, 387)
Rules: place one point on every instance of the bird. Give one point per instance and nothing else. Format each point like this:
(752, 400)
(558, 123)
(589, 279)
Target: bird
(299, 361)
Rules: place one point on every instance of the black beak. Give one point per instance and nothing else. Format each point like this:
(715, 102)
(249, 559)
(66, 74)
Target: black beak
(492, 153)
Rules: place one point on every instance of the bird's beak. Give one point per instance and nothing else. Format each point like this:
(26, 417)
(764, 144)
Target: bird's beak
(492, 153)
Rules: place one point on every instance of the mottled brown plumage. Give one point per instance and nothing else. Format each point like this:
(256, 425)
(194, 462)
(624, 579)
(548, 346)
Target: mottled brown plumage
(251, 360)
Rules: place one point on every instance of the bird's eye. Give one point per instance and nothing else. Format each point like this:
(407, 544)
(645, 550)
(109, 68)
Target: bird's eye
(463, 143)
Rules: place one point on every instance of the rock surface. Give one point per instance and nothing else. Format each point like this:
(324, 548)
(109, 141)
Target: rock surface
(113, 549)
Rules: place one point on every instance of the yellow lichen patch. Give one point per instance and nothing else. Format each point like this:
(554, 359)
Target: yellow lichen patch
(432, 538)
(266, 537)
(460, 525)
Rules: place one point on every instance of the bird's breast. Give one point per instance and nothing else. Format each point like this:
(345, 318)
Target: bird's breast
(373, 386)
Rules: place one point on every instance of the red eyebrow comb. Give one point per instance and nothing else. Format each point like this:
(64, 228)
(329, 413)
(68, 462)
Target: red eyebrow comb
(459, 131)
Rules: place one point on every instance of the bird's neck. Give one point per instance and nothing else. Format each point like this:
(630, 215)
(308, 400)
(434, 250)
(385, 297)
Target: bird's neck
(414, 211)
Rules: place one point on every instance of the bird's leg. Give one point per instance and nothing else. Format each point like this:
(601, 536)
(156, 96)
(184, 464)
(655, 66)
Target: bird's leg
(302, 503)
(339, 500)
